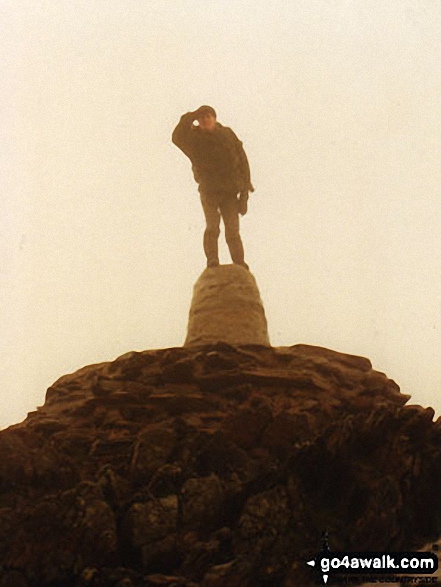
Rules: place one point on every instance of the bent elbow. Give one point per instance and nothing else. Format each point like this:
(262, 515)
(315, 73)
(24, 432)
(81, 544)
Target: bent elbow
(175, 137)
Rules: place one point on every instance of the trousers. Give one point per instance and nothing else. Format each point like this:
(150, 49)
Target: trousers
(215, 206)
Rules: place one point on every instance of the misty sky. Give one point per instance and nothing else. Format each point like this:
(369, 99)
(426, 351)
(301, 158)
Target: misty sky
(337, 103)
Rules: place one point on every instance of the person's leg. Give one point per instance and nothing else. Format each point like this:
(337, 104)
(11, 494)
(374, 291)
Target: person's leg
(230, 215)
(211, 234)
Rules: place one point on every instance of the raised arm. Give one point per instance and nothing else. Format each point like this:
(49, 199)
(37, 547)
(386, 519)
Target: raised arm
(182, 136)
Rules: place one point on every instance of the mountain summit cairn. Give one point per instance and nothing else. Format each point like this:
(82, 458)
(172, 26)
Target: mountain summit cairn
(216, 464)
(226, 307)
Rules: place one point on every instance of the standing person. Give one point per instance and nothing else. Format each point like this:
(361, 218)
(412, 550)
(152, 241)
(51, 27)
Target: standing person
(220, 167)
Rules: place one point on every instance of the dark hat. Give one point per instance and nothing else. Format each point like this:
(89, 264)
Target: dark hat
(205, 110)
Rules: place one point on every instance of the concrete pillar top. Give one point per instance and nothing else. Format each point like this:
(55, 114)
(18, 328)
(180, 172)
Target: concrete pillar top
(226, 307)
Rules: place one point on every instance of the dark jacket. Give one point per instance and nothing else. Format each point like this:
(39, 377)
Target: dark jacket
(218, 159)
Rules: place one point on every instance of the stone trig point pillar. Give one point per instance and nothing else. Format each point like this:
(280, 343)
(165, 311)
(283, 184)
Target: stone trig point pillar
(226, 307)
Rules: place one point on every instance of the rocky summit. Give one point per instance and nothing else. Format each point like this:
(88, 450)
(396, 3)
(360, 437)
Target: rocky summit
(214, 466)
(222, 463)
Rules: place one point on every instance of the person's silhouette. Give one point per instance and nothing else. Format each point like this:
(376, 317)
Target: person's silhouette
(221, 169)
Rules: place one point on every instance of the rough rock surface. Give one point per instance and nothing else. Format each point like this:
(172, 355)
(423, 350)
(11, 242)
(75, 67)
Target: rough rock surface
(226, 307)
(214, 466)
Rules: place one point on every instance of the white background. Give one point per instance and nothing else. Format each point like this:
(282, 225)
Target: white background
(337, 103)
